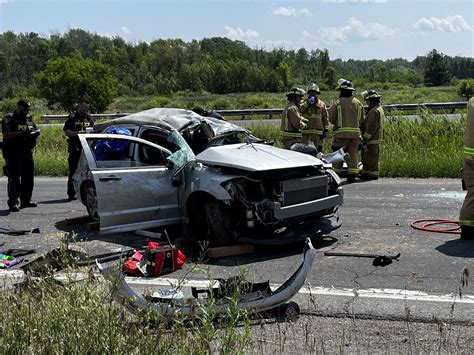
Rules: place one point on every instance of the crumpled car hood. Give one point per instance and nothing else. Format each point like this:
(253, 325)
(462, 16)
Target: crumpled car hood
(255, 157)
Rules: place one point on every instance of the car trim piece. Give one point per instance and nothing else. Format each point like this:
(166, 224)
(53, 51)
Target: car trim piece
(119, 228)
(192, 307)
(309, 207)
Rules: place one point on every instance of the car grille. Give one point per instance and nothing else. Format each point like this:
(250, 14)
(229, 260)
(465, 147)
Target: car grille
(302, 190)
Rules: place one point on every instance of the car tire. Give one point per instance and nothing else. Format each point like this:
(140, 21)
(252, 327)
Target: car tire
(90, 200)
(218, 223)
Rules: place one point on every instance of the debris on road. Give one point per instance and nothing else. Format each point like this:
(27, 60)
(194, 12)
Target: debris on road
(379, 260)
(256, 297)
(231, 250)
(12, 231)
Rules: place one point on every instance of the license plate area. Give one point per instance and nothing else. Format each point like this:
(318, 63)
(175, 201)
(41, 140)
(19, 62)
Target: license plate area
(302, 190)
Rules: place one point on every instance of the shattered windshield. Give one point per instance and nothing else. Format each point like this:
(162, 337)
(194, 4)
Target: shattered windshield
(183, 155)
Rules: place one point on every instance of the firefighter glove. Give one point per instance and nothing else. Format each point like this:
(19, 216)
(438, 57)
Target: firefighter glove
(325, 134)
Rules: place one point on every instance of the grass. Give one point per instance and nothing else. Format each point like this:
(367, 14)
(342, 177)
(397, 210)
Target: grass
(80, 316)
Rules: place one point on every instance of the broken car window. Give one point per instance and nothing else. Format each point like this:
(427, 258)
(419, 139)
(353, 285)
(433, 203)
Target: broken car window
(183, 155)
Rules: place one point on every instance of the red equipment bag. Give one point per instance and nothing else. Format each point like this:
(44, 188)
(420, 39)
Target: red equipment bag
(162, 259)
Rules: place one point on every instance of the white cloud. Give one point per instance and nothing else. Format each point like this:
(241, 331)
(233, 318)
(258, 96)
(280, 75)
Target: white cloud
(455, 23)
(240, 34)
(125, 30)
(291, 11)
(354, 30)
(6, 1)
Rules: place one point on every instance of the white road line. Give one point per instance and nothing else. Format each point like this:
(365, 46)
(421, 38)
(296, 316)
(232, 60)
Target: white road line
(375, 293)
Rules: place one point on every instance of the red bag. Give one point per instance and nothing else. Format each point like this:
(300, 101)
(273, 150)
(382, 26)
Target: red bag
(163, 259)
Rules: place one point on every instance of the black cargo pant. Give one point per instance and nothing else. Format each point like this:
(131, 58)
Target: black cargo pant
(20, 170)
(73, 161)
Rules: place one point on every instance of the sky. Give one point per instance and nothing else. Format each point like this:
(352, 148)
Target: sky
(357, 29)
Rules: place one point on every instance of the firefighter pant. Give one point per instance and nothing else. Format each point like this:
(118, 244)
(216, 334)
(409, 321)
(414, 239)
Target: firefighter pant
(20, 170)
(371, 160)
(466, 216)
(315, 138)
(288, 142)
(351, 146)
(73, 161)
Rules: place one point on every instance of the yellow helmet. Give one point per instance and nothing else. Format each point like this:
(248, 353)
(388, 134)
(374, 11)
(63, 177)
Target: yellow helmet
(370, 94)
(344, 84)
(296, 91)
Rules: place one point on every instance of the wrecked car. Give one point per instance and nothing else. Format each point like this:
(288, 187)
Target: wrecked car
(171, 302)
(214, 178)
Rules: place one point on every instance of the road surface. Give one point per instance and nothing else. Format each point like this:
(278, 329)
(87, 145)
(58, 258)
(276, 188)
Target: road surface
(375, 217)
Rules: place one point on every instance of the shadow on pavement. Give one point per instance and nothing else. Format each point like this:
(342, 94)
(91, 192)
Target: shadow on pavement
(4, 213)
(51, 202)
(270, 252)
(457, 247)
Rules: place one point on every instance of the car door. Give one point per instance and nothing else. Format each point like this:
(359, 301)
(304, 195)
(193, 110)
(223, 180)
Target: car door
(132, 179)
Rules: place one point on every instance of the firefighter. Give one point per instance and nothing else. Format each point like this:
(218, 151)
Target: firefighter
(19, 140)
(75, 124)
(345, 115)
(372, 134)
(466, 216)
(292, 122)
(315, 111)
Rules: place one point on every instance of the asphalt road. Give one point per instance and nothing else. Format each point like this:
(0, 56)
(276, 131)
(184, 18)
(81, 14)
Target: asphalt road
(375, 217)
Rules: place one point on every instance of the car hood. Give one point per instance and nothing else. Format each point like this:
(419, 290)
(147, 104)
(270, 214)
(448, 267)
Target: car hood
(255, 157)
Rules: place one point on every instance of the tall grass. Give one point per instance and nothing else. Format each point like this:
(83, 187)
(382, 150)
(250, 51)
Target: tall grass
(45, 317)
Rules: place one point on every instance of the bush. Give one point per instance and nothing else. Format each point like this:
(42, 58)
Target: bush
(466, 89)
(67, 80)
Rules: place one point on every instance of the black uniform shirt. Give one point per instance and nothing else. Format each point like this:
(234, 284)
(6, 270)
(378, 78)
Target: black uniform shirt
(77, 123)
(12, 122)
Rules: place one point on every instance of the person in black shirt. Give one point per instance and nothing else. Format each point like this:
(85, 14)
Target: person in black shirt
(19, 140)
(76, 124)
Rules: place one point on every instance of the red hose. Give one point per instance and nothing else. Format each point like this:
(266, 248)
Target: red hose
(426, 225)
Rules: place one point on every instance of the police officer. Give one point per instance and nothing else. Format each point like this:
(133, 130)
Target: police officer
(372, 133)
(315, 111)
(345, 114)
(466, 216)
(292, 122)
(19, 140)
(75, 124)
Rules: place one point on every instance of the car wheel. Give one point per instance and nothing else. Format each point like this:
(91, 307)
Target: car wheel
(90, 200)
(218, 223)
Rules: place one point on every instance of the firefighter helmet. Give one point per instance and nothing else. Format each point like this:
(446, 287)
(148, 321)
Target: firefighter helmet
(343, 84)
(296, 91)
(370, 94)
(313, 87)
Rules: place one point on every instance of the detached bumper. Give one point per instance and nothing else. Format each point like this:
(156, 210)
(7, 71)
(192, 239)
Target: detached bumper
(309, 207)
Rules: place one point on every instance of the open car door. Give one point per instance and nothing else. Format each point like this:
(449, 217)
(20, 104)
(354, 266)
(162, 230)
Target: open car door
(132, 182)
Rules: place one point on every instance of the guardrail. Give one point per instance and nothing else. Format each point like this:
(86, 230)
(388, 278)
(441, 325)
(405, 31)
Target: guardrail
(445, 106)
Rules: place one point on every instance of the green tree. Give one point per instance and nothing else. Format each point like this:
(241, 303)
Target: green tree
(466, 89)
(436, 70)
(66, 80)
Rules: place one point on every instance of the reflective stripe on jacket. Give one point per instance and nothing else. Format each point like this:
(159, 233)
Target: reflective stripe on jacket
(372, 125)
(317, 116)
(469, 135)
(291, 121)
(345, 114)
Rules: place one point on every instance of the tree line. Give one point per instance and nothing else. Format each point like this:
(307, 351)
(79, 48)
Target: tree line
(217, 65)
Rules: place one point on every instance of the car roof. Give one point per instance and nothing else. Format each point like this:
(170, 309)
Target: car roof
(169, 118)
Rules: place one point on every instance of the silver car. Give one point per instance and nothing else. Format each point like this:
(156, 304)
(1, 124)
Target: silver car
(212, 177)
